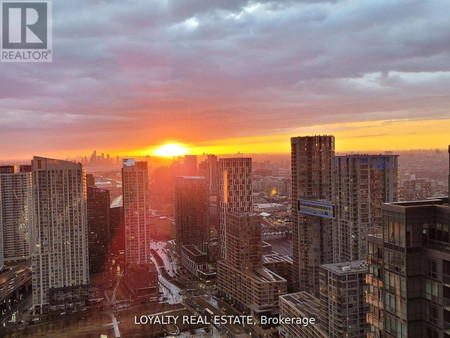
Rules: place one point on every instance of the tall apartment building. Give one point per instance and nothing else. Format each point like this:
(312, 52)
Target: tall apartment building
(4, 169)
(2, 259)
(16, 213)
(312, 191)
(208, 169)
(409, 271)
(191, 212)
(235, 192)
(8, 169)
(343, 305)
(362, 184)
(241, 278)
(98, 201)
(136, 211)
(244, 240)
(60, 265)
(190, 165)
(117, 229)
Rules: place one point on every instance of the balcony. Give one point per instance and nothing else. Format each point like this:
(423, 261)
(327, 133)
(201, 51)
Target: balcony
(447, 327)
(447, 304)
(446, 279)
(439, 246)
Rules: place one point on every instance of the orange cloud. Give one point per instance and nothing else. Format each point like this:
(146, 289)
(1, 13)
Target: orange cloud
(358, 137)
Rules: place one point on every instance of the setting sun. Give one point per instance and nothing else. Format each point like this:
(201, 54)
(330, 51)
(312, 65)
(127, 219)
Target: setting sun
(170, 150)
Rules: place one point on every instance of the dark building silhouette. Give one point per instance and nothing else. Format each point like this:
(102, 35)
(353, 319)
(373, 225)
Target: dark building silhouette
(117, 229)
(191, 211)
(409, 271)
(99, 235)
(25, 168)
(90, 180)
(8, 169)
(142, 281)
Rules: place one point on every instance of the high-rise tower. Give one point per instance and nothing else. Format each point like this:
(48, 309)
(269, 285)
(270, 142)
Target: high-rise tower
(235, 192)
(98, 207)
(191, 211)
(15, 213)
(312, 191)
(362, 184)
(190, 165)
(208, 169)
(136, 211)
(60, 263)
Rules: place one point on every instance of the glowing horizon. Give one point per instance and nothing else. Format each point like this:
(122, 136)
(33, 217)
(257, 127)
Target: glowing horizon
(373, 136)
(170, 150)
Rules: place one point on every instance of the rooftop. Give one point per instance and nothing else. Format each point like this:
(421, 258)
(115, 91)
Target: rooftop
(192, 177)
(304, 302)
(193, 250)
(347, 267)
(265, 275)
(276, 257)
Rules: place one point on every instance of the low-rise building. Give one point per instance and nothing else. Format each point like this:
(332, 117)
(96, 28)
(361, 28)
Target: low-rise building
(301, 305)
(254, 291)
(196, 262)
(282, 265)
(142, 280)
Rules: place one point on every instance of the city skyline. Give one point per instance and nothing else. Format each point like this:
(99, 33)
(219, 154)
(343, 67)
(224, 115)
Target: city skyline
(232, 76)
(180, 150)
(225, 168)
(269, 251)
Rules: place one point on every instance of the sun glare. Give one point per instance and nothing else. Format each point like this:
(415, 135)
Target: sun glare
(170, 150)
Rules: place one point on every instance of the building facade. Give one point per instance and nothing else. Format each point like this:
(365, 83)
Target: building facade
(136, 211)
(244, 240)
(117, 229)
(241, 278)
(235, 192)
(362, 184)
(301, 305)
(312, 159)
(409, 271)
(191, 212)
(208, 169)
(197, 263)
(190, 165)
(16, 214)
(98, 201)
(60, 261)
(282, 265)
(343, 305)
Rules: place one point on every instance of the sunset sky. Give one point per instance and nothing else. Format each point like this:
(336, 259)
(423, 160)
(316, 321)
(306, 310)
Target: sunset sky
(228, 76)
